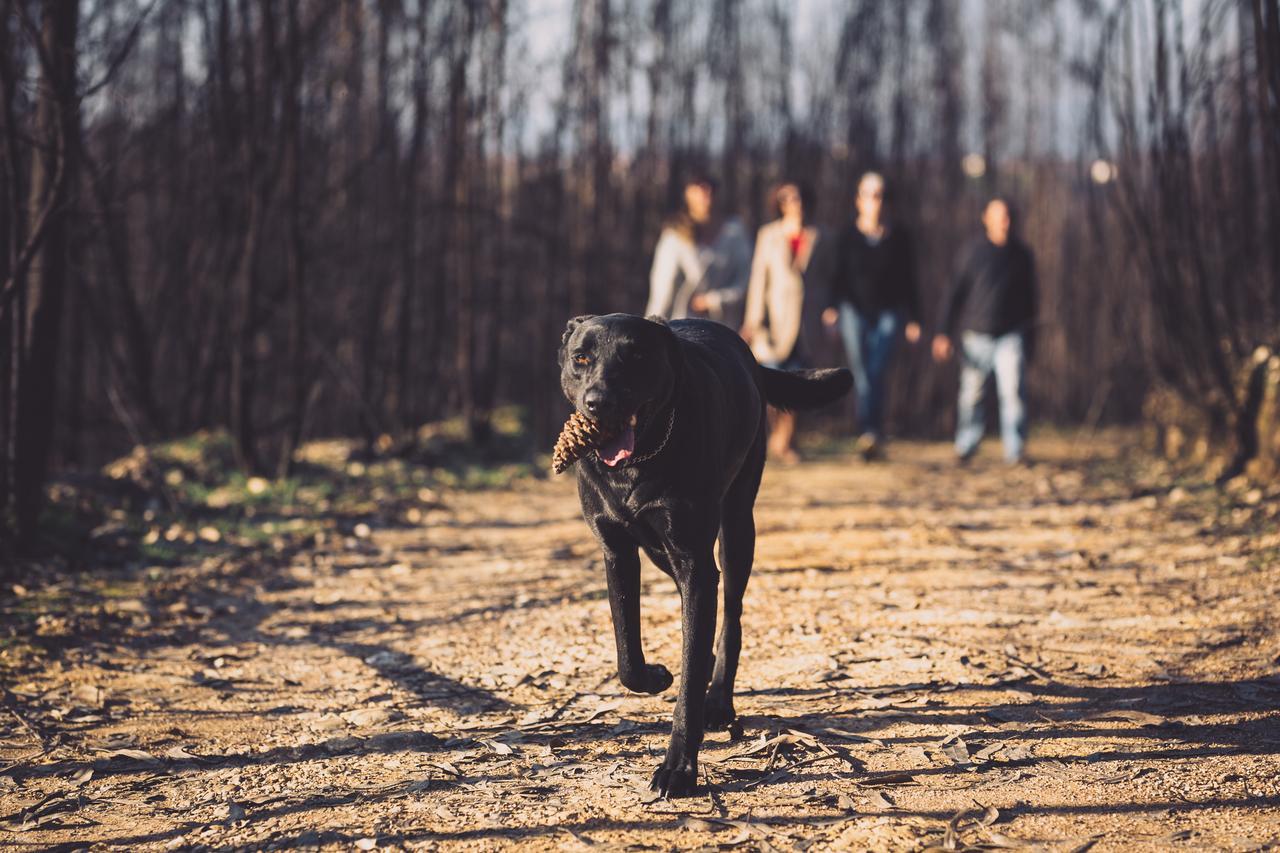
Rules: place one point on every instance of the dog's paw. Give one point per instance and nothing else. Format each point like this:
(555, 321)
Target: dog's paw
(719, 712)
(658, 678)
(654, 678)
(678, 779)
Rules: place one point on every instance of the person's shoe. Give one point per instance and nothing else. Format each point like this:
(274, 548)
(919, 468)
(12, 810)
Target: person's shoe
(963, 459)
(868, 447)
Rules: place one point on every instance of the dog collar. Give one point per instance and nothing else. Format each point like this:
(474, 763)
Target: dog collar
(645, 457)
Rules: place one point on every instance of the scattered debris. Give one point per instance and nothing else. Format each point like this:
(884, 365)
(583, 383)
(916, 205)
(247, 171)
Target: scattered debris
(905, 684)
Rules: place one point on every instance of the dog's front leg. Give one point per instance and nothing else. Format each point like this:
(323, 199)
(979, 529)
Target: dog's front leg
(678, 775)
(622, 570)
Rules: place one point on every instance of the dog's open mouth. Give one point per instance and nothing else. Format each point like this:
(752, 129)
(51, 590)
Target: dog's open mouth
(619, 449)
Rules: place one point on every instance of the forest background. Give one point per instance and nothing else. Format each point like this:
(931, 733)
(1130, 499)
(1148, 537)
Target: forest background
(301, 219)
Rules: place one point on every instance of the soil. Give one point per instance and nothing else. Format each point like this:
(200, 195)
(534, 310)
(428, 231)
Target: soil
(1058, 657)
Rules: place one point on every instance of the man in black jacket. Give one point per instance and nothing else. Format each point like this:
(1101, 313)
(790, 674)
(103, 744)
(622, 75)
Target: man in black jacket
(872, 296)
(992, 303)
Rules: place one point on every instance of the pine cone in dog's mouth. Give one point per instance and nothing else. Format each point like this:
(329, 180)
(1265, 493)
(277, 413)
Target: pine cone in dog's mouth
(582, 434)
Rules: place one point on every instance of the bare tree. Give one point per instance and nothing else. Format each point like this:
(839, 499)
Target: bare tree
(303, 218)
(35, 290)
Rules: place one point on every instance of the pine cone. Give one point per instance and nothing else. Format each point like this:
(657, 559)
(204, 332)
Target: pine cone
(579, 437)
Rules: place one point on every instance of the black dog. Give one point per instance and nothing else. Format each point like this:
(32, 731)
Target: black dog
(687, 403)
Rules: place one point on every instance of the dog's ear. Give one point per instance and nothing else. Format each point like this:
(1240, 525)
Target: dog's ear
(675, 355)
(569, 329)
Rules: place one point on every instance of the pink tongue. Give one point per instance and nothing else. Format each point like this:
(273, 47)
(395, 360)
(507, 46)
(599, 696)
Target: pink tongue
(618, 449)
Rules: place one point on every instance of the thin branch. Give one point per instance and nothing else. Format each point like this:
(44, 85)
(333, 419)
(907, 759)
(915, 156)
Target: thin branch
(122, 53)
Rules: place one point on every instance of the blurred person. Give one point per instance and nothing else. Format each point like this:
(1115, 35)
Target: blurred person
(775, 298)
(701, 262)
(992, 304)
(873, 293)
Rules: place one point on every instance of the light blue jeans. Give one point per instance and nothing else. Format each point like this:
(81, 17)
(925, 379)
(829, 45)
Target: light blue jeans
(981, 355)
(869, 343)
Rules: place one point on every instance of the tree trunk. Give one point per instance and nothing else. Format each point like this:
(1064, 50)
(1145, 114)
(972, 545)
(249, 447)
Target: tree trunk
(14, 202)
(405, 411)
(52, 178)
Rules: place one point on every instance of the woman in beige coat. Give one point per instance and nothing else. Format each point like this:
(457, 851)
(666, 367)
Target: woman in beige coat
(775, 298)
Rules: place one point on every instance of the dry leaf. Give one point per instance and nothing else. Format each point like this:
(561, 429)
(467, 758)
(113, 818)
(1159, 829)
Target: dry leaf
(1142, 718)
(850, 736)
(1000, 841)
(957, 751)
(986, 753)
(44, 812)
(367, 717)
(133, 754)
(788, 738)
(599, 711)
(498, 747)
(697, 824)
(327, 723)
(886, 779)
(89, 694)
(881, 799)
(179, 753)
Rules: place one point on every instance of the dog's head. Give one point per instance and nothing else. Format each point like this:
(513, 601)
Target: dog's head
(619, 370)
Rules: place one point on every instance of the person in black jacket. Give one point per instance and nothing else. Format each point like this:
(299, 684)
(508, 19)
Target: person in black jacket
(872, 294)
(992, 304)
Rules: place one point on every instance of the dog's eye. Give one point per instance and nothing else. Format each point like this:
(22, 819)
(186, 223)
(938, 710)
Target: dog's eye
(582, 360)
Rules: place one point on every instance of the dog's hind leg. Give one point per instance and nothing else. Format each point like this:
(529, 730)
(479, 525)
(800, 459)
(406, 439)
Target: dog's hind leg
(737, 552)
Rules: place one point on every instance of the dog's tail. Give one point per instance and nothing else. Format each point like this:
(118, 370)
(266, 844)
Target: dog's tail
(804, 389)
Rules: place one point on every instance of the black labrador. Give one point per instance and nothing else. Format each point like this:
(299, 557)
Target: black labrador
(686, 401)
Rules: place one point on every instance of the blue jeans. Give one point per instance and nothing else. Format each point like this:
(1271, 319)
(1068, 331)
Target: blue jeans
(869, 343)
(981, 354)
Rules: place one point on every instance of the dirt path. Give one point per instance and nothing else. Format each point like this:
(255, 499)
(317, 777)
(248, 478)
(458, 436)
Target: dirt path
(1048, 653)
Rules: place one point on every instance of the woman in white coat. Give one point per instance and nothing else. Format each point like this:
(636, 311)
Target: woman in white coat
(701, 262)
(775, 298)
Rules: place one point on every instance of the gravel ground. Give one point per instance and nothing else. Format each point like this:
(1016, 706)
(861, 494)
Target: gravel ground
(1059, 658)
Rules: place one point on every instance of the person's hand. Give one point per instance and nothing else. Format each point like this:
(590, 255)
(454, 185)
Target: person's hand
(699, 302)
(746, 333)
(912, 332)
(830, 316)
(941, 348)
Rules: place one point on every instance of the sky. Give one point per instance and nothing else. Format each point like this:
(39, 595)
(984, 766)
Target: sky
(549, 27)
